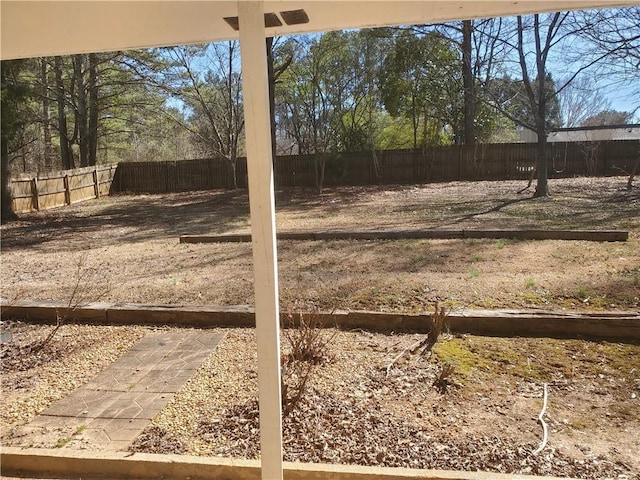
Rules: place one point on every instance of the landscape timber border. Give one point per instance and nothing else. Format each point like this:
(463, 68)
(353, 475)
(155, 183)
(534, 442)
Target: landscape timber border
(613, 325)
(588, 235)
(125, 465)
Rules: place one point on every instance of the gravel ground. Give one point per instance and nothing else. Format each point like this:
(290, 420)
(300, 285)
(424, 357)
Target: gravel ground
(354, 412)
(35, 376)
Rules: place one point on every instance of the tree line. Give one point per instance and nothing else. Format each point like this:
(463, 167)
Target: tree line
(405, 87)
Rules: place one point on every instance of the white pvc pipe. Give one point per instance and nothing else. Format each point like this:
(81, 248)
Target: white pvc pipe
(263, 231)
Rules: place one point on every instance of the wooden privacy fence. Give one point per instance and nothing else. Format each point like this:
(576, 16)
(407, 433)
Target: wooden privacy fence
(55, 189)
(498, 161)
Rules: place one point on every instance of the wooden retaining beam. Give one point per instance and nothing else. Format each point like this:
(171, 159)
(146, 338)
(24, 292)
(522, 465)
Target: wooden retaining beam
(65, 463)
(588, 235)
(623, 326)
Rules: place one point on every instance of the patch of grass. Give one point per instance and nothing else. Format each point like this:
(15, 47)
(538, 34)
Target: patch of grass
(501, 244)
(580, 423)
(419, 259)
(622, 357)
(476, 257)
(529, 282)
(473, 272)
(62, 442)
(599, 302)
(488, 302)
(582, 292)
(535, 296)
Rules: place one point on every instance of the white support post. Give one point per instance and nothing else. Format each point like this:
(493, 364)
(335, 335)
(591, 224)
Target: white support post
(263, 231)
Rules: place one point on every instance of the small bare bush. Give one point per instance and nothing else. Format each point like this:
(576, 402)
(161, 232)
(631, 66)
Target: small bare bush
(86, 288)
(443, 380)
(308, 345)
(436, 325)
(424, 345)
(309, 341)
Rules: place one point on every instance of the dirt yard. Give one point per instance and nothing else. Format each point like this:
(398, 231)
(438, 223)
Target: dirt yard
(126, 249)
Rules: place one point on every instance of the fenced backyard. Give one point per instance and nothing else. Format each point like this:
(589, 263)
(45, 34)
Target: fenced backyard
(435, 164)
(128, 247)
(498, 161)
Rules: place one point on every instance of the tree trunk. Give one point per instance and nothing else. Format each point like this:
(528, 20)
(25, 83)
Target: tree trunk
(46, 116)
(8, 214)
(467, 79)
(634, 170)
(542, 186)
(6, 200)
(272, 96)
(82, 111)
(319, 162)
(66, 154)
(92, 138)
(233, 172)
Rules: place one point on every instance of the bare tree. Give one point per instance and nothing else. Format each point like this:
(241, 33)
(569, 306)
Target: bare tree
(615, 33)
(534, 41)
(581, 100)
(46, 114)
(214, 97)
(274, 71)
(481, 50)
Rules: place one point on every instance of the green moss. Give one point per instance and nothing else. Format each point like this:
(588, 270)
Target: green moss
(455, 352)
(539, 360)
(623, 358)
(580, 423)
(532, 298)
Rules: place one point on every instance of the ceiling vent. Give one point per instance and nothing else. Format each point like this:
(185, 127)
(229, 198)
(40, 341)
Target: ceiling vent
(290, 17)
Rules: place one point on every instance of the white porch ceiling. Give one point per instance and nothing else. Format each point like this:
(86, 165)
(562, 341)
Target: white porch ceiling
(45, 28)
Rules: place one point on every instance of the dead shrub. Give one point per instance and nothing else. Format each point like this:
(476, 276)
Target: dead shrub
(308, 345)
(423, 346)
(443, 380)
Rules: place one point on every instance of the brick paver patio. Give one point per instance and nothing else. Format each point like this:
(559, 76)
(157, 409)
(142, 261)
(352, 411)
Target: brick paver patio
(110, 410)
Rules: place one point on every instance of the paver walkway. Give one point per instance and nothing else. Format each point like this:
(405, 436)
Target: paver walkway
(111, 410)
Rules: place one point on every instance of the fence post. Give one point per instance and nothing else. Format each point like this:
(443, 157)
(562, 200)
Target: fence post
(96, 184)
(67, 191)
(34, 191)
